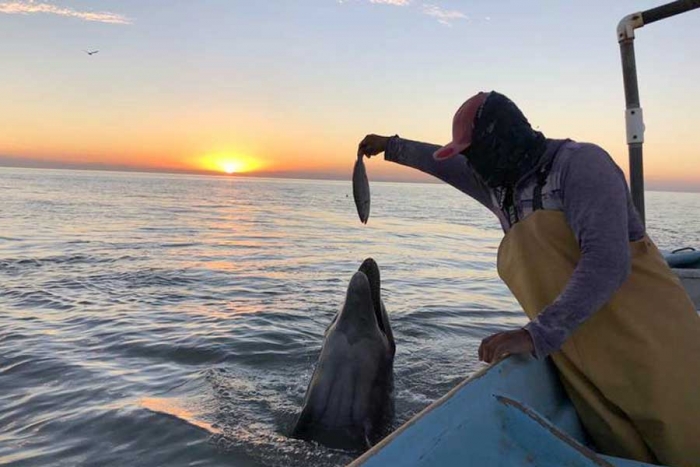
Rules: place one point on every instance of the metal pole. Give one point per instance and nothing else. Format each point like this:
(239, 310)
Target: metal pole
(633, 113)
(668, 10)
(635, 135)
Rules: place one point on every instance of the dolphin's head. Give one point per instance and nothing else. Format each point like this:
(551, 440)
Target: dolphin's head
(363, 308)
(349, 403)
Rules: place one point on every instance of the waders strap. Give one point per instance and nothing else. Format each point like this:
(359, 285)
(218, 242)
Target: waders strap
(541, 182)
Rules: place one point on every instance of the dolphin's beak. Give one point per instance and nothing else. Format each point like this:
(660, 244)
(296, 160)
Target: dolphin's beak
(371, 270)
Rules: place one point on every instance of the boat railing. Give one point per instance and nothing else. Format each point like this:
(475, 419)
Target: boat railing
(633, 114)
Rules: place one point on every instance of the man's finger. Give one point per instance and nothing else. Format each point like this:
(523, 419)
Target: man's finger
(488, 351)
(494, 349)
(501, 351)
(482, 351)
(485, 346)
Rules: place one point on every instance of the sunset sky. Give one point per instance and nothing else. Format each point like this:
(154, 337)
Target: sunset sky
(289, 87)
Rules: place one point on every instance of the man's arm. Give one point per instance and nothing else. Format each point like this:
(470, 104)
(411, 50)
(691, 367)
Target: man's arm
(454, 170)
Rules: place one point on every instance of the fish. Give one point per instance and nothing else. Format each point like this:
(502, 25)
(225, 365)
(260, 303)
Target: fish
(360, 189)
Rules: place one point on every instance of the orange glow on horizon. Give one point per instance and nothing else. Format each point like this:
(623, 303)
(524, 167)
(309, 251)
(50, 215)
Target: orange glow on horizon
(229, 163)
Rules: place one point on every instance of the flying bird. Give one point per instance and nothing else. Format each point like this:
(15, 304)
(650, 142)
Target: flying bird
(91, 52)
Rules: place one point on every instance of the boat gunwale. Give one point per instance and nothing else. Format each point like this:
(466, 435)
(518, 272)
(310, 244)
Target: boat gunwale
(417, 417)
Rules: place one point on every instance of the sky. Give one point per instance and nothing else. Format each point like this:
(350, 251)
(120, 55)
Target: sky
(289, 87)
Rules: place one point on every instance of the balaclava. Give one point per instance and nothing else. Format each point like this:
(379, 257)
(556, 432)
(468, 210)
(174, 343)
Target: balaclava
(504, 146)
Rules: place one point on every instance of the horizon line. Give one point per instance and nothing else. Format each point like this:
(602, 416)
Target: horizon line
(34, 164)
(21, 163)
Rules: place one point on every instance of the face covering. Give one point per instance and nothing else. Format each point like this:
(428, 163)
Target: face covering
(504, 146)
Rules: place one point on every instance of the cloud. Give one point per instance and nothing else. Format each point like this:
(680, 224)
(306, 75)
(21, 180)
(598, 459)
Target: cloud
(27, 7)
(443, 16)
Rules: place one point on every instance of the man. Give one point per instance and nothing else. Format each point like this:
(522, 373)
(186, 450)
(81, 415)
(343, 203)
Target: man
(601, 300)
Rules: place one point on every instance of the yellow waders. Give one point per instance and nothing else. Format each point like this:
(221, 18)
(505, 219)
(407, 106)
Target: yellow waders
(632, 369)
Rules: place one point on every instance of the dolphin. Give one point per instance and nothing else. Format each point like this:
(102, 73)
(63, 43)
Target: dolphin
(349, 402)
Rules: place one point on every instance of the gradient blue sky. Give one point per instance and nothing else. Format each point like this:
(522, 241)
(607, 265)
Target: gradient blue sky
(292, 86)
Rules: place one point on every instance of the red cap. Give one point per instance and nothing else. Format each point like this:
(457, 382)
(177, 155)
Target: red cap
(462, 127)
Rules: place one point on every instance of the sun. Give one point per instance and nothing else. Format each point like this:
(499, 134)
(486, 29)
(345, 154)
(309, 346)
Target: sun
(230, 167)
(229, 163)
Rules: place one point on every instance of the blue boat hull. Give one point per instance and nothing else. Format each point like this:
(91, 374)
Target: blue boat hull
(687, 258)
(511, 414)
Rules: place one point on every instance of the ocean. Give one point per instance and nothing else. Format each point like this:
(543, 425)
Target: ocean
(155, 319)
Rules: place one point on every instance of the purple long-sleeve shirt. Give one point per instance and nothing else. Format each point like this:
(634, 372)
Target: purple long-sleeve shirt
(590, 189)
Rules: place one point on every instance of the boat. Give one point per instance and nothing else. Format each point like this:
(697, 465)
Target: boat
(513, 413)
(516, 412)
(685, 262)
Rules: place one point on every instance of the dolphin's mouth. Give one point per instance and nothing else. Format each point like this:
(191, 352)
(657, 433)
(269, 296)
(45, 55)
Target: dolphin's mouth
(370, 269)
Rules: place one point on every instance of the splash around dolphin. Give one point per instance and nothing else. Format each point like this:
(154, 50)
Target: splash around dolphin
(349, 402)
